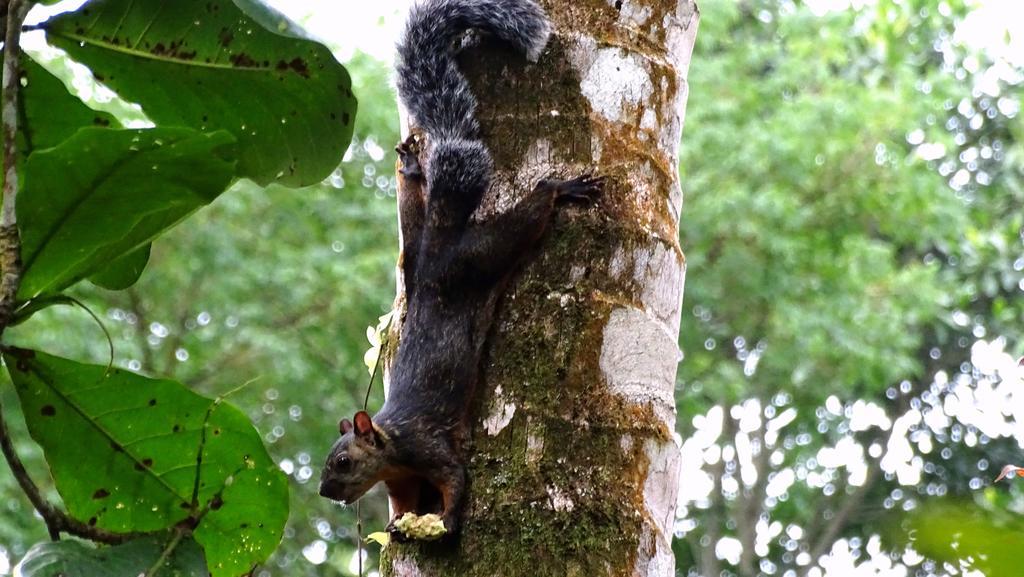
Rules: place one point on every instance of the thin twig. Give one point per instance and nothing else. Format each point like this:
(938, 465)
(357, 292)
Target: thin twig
(359, 536)
(25, 482)
(383, 335)
(103, 327)
(171, 546)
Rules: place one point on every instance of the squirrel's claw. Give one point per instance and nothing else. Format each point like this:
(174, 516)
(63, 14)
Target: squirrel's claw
(585, 188)
(408, 153)
(396, 534)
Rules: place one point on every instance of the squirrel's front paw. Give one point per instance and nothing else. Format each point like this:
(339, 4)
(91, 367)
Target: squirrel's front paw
(585, 188)
(451, 525)
(396, 534)
(408, 153)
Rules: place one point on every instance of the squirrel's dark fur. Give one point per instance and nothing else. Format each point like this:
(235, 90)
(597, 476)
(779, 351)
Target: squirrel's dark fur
(454, 268)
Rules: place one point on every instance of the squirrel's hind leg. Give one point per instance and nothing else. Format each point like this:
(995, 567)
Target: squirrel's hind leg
(411, 206)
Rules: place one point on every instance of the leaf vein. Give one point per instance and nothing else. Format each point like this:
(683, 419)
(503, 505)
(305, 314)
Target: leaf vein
(124, 16)
(48, 381)
(145, 30)
(133, 51)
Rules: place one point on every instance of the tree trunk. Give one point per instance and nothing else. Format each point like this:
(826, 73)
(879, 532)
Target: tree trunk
(574, 464)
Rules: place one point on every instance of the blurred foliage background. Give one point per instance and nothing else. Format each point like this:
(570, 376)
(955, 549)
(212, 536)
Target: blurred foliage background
(855, 241)
(853, 229)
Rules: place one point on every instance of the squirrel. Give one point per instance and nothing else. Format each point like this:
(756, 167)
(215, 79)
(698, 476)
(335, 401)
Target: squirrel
(454, 268)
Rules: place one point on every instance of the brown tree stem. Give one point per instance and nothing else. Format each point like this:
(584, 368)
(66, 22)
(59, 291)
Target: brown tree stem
(30, 489)
(714, 519)
(10, 243)
(842, 517)
(141, 330)
(752, 505)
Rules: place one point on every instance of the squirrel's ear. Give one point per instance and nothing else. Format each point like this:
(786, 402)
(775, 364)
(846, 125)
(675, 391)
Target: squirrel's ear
(364, 426)
(344, 426)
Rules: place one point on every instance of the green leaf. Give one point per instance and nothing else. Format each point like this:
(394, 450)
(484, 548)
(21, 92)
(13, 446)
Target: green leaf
(124, 271)
(42, 95)
(104, 193)
(156, 454)
(207, 65)
(955, 532)
(78, 559)
(269, 18)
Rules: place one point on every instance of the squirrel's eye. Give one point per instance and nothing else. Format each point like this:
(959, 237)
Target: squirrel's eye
(343, 463)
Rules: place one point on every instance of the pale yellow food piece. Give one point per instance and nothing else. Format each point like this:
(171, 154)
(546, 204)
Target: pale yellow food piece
(427, 527)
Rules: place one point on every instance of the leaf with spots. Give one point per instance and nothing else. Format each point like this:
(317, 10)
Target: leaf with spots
(43, 93)
(209, 65)
(79, 559)
(157, 454)
(103, 193)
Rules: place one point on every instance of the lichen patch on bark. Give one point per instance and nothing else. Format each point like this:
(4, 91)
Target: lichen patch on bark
(615, 82)
(664, 458)
(534, 447)
(657, 272)
(560, 500)
(638, 361)
(634, 13)
(502, 411)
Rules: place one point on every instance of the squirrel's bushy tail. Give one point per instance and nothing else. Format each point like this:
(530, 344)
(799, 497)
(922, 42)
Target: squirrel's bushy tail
(434, 91)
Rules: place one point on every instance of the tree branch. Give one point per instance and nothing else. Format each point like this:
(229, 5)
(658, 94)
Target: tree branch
(10, 242)
(141, 330)
(751, 505)
(714, 519)
(25, 482)
(842, 517)
(56, 520)
(166, 553)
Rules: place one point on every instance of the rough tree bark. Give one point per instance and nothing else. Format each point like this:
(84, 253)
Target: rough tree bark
(574, 466)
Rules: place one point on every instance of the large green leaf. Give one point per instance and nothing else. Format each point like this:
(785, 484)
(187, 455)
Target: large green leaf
(206, 64)
(967, 532)
(44, 94)
(104, 193)
(77, 559)
(155, 454)
(124, 271)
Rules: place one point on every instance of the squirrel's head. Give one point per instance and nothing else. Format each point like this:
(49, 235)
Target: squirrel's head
(356, 461)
